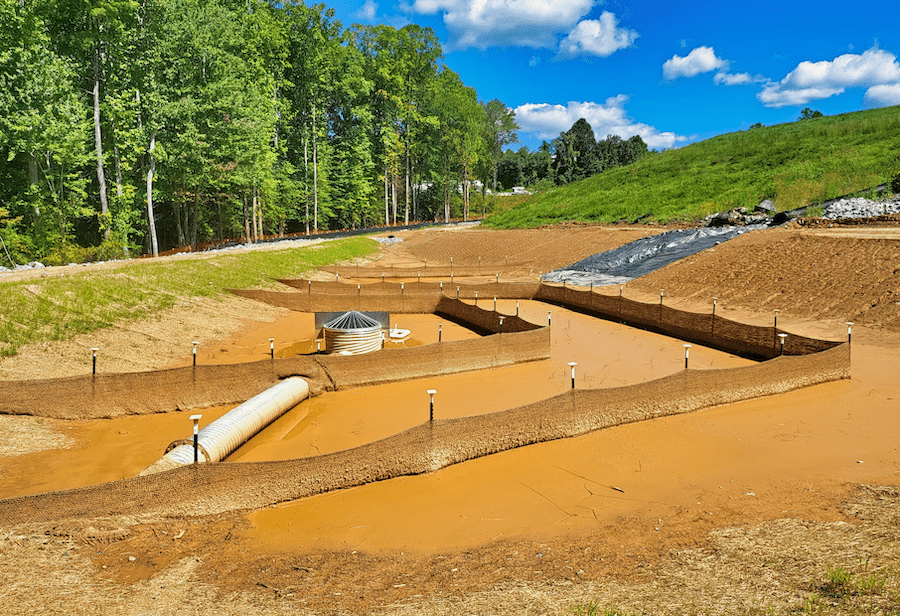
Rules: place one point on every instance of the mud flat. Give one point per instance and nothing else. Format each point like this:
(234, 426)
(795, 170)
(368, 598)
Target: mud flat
(608, 354)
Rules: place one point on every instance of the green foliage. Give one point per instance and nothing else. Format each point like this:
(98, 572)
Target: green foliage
(65, 253)
(809, 114)
(895, 183)
(593, 608)
(871, 583)
(838, 582)
(571, 157)
(793, 164)
(216, 120)
(499, 129)
(847, 588)
(815, 211)
(56, 308)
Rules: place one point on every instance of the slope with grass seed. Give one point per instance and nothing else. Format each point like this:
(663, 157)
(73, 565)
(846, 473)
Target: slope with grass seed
(795, 164)
(56, 308)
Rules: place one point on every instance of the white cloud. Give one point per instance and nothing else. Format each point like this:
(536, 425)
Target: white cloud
(596, 37)
(736, 79)
(816, 80)
(367, 11)
(505, 23)
(700, 60)
(885, 95)
(773, 96)
(547, 121)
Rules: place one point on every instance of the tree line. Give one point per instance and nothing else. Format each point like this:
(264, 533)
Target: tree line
(575, 155)
(137, 126)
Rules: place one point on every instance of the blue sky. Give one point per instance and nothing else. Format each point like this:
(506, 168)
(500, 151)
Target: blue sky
(672, 72)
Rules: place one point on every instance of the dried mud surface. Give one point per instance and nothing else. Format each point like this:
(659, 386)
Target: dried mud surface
(738, 509)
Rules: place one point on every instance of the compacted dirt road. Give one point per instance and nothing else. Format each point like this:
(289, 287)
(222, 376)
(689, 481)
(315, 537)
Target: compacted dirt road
(737, 509)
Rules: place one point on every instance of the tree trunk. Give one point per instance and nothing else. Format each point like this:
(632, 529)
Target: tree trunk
(394, 197)
(194, 221)
(33, 180)
(406, 195)
(246, 219)
(221, 230)
(186, 223)
(415, 196)
(387, 211)
(466, 194)
(447, 190)
(98, 142)
(253, 213)
(315, 175)
(259, 209)
(151, 171)
(306, 178)
(176, 206)
(277, 116)
(119, 190)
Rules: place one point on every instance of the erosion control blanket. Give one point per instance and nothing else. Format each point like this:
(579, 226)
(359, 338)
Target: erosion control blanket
(643, 256)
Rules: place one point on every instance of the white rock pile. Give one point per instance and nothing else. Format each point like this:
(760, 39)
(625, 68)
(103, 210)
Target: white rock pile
(26, 266)
(857, 207)
(388, 240)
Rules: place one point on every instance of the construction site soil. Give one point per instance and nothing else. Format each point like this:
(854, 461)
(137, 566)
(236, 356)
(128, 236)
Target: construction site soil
(740, 508)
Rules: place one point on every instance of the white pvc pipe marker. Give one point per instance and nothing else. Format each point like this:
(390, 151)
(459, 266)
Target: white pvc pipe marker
(223, 436)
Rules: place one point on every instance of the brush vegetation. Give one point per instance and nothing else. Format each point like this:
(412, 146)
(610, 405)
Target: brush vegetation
(58, 307)
(796, 164)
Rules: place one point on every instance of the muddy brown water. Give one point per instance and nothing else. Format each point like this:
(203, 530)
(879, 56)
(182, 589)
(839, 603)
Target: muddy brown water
(608, 355)
(790, 455)
(782, 456)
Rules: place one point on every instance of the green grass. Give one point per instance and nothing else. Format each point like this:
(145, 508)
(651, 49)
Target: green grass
(592, 608)
(57, 308)
(794, 164)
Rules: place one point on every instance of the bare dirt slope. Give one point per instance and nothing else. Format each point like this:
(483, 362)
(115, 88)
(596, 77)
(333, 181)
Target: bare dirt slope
(530, 250)
(804, 274)
(158, 341)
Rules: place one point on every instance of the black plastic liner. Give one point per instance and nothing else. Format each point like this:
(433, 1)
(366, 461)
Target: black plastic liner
(645, 255)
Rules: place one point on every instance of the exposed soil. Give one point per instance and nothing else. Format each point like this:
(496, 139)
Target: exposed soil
(158, 341)
(729, 510)
(826, 276)
(530, 251)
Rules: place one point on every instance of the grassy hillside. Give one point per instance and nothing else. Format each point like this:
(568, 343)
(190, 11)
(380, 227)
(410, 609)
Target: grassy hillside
(56, 308)
(795, 164)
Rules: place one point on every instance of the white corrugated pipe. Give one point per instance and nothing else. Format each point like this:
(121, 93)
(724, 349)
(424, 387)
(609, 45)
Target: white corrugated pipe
(223, 436)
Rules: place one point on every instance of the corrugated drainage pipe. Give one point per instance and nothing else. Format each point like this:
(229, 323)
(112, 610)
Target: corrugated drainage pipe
(226, 434)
